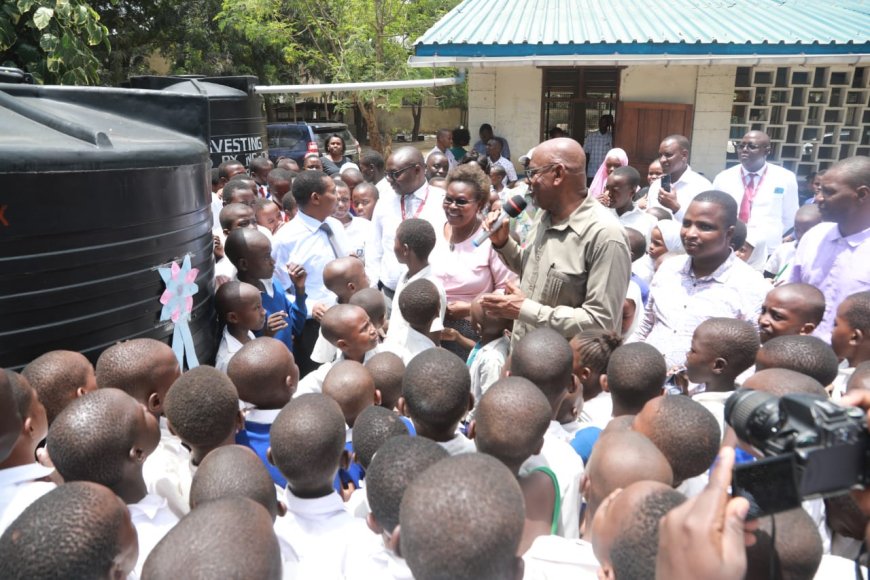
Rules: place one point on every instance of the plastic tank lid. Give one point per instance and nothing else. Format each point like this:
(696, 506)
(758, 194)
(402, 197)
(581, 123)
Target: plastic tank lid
(50, 128)
(195, 87)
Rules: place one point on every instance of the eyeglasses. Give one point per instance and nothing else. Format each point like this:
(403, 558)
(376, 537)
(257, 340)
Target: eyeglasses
(458, 202)
(531, 172)
(750, 146)
(394, 175)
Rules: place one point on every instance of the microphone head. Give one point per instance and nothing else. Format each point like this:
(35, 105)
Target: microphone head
(515, 205)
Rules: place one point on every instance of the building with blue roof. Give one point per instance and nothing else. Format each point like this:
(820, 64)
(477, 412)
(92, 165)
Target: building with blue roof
(710, 69)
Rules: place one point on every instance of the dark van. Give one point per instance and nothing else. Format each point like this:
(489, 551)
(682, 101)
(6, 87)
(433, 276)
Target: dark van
(294, 140)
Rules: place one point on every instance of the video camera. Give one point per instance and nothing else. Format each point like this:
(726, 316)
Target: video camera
(812, 448)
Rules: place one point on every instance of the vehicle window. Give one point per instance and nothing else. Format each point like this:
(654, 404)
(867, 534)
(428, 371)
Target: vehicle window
(286, 138)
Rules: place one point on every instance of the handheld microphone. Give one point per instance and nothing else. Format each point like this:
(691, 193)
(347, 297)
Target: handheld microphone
(511, 209)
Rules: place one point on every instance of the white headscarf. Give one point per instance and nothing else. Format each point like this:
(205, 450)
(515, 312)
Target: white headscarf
(670, 231)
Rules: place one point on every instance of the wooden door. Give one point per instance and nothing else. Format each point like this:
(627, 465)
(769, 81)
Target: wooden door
(640, 128)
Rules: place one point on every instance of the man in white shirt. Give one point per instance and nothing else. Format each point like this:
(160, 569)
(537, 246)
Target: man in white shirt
(443, 143)
(411, 196)
(710, 281)
(685, 183)
(494, 152)
(312, 239)
(766, 194)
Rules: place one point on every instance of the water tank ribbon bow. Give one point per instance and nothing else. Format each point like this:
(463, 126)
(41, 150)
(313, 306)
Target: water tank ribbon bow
(177, 302)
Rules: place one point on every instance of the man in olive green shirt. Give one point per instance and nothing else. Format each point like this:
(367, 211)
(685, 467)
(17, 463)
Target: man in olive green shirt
(575, 268)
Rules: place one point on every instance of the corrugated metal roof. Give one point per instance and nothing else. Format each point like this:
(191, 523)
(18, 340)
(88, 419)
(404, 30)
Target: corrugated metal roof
(506, 28)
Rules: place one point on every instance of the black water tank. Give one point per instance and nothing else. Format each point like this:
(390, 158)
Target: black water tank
(98, 188)
(238, 115)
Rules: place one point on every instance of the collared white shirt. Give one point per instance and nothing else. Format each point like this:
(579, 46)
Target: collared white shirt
(152, 519)
(487, 365)
(380, 564)
(313, 381)
(559, 456)
(381, 262)
(359, 233)
(508, 168)
(301, 241)
(638, 219)
(322, 534)
(679, 301)
(384, 189)
(714, 402)
(229, 346)
(458, 445)
(19, 489)
(408, 343)
(774, 205)
(167, 471)
(398, 327)
(597, 411)
(838, 266)
(552, 557)
(686, 187)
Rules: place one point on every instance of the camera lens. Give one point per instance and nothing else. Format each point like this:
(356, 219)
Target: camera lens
(754, 415)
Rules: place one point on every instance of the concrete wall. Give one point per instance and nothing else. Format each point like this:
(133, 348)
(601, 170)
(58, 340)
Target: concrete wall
(713, 98)
(509, 99)
(658, 84)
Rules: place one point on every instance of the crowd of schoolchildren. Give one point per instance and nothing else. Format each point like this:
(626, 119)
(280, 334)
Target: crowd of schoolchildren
(396, 458)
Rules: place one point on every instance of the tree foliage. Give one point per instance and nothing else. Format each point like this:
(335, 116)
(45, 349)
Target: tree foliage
(53, 40)
(342, 41)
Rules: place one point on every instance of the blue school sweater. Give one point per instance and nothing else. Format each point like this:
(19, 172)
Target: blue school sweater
(255, 436)
(297, 312)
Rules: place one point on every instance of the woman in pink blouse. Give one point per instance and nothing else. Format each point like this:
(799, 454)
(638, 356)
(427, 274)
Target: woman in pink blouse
(465, 271)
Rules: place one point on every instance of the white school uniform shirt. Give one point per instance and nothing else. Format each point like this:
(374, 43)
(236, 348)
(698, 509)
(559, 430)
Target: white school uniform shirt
(382, 564)
(715, 403)
(167, 473)
(301, 241)
(313, 381)
(225, 268)
(359, 233)
(458, 445)
(381, 262)
(597, 411)
(487, 365)
(780, 261)
(686, 187)
(322, 534)
(559, 456)
(19, 489)
(229, 346)
(555, 557)
(217, 204)
(837, 568)
(152, 519)
(398, 326)
(638, 219)
(774, 204)
(408, 344)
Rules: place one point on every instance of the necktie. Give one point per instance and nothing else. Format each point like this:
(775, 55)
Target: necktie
(331, 237)
(748, 195)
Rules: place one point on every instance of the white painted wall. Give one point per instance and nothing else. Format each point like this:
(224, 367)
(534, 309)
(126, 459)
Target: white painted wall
(713, 98)
(658, 84)
(509, 99)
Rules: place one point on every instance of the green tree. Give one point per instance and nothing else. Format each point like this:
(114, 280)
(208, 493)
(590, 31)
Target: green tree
(53, 40)
(343, 41)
